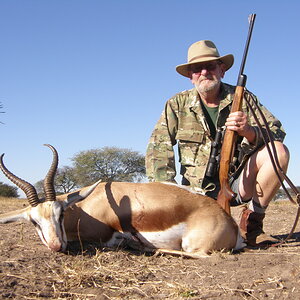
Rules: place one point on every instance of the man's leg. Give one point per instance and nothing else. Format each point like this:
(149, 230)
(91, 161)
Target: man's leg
(259, 182)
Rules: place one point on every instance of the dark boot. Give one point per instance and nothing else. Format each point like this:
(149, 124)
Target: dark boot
(251, 227)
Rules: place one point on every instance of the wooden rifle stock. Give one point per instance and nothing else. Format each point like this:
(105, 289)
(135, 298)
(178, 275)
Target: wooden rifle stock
(225, 193)
(228, 145)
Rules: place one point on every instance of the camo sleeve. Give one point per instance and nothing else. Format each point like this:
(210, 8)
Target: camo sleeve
(273, 123)
(160, 158)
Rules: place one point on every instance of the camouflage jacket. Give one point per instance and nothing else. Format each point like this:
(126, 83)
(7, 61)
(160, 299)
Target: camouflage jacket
(183, 121)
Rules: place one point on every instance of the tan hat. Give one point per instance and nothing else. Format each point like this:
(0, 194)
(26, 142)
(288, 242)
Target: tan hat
(203, 51)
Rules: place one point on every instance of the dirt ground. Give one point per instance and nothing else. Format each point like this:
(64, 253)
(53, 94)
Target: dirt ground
(29, 271)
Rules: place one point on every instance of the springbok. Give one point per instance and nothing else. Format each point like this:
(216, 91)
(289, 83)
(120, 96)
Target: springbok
(156, 216)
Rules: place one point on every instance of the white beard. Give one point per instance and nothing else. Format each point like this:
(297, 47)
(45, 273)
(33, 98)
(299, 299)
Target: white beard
(207, 85)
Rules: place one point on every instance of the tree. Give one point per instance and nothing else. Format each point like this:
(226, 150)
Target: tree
(39, 188)
(64, 182)
(108, 164)
(1, 112)
(7, 190)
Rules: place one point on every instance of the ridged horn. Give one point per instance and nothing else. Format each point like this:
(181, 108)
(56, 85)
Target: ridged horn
(25, 186)
(49, 189)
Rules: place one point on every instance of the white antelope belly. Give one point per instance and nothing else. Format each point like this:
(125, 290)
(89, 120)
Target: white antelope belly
(170, 238)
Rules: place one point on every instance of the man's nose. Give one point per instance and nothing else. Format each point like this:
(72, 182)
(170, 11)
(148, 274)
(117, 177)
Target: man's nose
(204, 71)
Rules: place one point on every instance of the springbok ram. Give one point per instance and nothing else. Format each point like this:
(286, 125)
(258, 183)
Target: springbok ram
(156, 216)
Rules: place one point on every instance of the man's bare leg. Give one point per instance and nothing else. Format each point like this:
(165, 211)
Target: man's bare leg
(259, 182)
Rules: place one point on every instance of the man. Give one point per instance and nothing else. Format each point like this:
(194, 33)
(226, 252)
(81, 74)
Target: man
(192, 117)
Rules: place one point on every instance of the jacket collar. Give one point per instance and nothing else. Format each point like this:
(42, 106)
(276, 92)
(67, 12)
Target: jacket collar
(227, 94)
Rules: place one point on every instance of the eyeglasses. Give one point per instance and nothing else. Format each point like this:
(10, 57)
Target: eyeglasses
(208, 67)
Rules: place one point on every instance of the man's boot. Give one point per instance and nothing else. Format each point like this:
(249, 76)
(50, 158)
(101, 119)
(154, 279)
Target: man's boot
(251, 227)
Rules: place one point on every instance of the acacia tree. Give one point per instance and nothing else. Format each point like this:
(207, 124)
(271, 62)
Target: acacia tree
(108, 164)
(64, 182)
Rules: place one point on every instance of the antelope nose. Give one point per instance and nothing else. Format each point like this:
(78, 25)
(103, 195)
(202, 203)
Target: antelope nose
(56, 247)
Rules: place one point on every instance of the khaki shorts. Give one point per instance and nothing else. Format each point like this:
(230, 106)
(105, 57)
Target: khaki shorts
(234, 184)
(235, 188)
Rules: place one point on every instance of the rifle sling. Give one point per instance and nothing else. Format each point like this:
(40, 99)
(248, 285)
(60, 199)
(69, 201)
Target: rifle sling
(268, 138)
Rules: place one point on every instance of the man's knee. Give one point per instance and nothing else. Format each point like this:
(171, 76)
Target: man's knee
(283, 154)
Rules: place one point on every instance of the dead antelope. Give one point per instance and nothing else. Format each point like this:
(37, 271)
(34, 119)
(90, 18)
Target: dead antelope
(153, 215)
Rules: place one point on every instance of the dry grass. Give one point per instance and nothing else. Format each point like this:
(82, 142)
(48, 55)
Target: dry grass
(9, 204)
(29, 271)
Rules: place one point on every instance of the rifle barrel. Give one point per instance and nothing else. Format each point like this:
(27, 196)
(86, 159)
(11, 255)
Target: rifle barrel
(251, 24)
(227, 150)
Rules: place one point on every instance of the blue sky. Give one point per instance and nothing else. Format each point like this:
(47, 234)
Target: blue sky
(84, 74)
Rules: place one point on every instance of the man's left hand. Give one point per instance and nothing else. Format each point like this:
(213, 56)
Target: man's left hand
(237, 121)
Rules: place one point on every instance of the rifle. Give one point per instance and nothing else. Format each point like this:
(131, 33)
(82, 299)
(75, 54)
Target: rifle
(225, 193)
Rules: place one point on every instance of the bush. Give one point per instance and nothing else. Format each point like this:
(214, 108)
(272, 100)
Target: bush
(7, 190)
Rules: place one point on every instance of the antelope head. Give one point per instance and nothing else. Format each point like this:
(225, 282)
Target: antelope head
(47, 214)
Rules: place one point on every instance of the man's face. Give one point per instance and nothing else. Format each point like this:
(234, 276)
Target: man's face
(207, 76)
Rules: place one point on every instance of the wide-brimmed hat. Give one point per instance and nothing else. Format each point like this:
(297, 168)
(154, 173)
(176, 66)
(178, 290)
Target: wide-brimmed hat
(203, 51)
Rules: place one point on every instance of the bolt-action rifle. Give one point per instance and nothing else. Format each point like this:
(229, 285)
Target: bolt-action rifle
(227, 150)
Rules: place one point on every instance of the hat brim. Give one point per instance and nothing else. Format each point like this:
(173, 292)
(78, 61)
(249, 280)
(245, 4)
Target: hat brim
(185, 71)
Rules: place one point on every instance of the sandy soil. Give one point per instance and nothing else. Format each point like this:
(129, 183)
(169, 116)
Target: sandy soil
(29, 271)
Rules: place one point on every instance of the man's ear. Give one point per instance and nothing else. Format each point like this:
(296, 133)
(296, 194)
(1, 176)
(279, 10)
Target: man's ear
(223, 70)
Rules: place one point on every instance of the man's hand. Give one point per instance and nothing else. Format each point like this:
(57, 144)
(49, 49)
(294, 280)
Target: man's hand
(237, 121)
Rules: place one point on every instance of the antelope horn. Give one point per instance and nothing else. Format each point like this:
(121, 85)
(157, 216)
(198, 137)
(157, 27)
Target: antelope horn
(49, 189)
(25, 186)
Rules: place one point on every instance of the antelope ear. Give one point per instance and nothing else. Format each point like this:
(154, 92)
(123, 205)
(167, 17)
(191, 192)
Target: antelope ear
(79, 195)
(16, 215)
